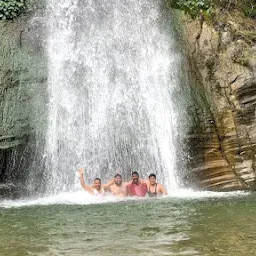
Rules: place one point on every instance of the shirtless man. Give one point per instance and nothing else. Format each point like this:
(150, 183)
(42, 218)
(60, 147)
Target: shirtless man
(118, 187)
(96, 188)
(115, 186)
(154, 188)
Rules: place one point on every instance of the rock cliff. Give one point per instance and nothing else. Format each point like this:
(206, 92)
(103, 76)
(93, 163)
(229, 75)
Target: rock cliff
(222, 139)
(22, 81)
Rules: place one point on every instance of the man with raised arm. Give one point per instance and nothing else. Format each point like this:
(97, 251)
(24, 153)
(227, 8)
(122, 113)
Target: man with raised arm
(116, 186)
(95, 189)
(153, 188)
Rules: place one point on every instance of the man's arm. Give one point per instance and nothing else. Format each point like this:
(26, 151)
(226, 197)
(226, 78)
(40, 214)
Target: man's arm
(84, 186)
(162, 190)
(107, 186)
(144, 181)
(128, 188)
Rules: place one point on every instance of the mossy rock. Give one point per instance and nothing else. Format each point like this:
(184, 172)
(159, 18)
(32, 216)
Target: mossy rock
(248, 36)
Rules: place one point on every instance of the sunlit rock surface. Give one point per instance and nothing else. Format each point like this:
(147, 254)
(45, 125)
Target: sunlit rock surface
(223, 137)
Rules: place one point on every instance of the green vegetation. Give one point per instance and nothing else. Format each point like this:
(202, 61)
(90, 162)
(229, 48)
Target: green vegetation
(248, 7)
(191, 7)
(196, 7)
(9, 9)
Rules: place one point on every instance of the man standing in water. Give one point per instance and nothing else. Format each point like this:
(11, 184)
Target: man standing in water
(118, 187)
(153, 188)
(115, 186)
(95, 189)
(137, 187)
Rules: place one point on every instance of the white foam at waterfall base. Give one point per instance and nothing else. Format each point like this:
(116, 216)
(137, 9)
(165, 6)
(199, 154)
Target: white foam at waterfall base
(84, 198)
(190, 194)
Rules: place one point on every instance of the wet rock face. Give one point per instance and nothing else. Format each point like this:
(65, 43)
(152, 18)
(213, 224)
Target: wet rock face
(223, 57)
(246, 96)
(22, 95)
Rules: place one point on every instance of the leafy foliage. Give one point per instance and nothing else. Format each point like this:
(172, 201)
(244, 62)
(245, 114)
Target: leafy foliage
(195, 7)
(191, 7)
(248, 7)
(10, 9)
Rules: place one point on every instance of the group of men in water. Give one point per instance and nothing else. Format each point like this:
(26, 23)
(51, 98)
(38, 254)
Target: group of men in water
(118, 188)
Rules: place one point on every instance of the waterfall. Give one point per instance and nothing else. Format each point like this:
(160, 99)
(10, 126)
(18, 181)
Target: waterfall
(112, 68)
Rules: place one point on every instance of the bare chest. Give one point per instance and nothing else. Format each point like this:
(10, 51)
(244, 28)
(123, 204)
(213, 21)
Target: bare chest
(118, 189)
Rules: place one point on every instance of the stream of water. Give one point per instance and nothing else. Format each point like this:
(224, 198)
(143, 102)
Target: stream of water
(112, 68)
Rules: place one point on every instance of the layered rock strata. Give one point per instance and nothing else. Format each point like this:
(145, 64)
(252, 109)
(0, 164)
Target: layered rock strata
(222, 139)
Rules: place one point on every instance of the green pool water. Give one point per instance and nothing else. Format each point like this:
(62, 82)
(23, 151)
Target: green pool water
(168, 226)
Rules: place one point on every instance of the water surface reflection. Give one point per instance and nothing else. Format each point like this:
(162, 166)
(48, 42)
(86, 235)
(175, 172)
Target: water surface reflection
(168, 226)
